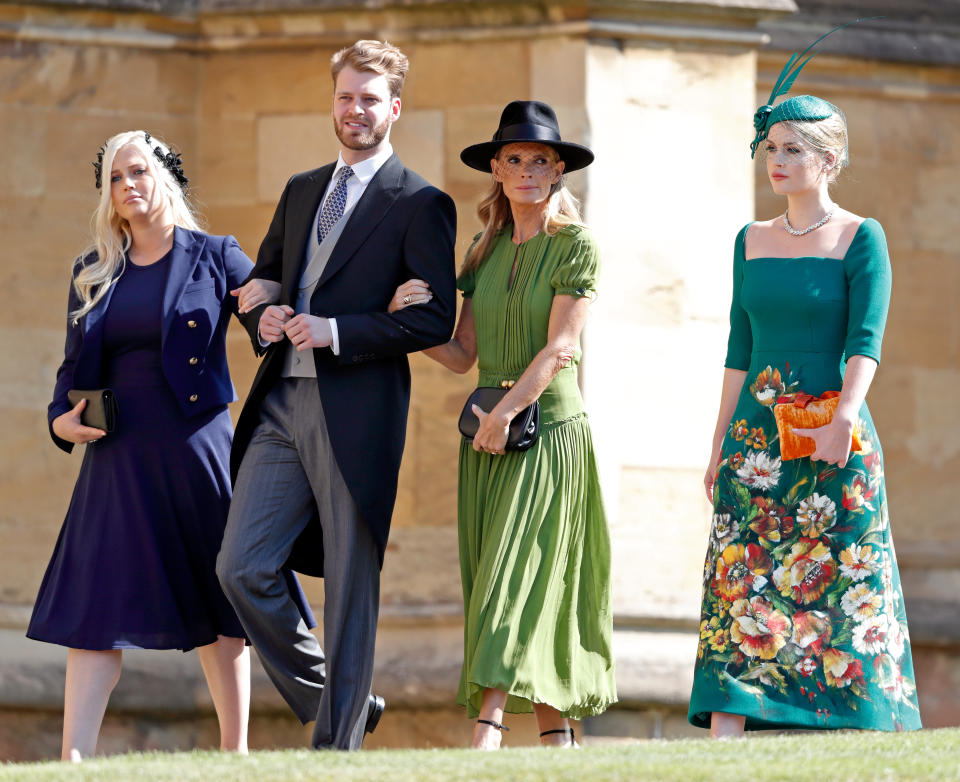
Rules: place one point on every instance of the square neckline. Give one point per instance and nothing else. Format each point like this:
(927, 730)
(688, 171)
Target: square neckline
(743, 249)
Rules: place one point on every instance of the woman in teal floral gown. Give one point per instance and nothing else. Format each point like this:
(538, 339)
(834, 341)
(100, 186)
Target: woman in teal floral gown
(803, 622)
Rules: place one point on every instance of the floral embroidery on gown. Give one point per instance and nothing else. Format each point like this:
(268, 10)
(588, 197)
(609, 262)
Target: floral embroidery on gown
(803, 622)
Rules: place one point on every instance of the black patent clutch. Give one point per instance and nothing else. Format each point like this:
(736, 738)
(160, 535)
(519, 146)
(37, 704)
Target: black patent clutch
(524, 428)
(101, 411)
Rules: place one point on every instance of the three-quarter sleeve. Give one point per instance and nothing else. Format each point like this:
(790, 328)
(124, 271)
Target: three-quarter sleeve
(740, 340)
(869, 278)
(576, 274)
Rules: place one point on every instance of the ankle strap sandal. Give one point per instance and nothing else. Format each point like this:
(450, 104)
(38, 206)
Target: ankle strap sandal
(498, 725)
(573, 736)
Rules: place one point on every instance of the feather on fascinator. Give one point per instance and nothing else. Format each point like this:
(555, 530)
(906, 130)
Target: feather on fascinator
(801, 107)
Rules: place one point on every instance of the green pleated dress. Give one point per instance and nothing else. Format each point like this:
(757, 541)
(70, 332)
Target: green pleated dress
(534, 545)
(803, 622)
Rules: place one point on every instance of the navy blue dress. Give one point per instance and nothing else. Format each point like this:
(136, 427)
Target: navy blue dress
(134, 565)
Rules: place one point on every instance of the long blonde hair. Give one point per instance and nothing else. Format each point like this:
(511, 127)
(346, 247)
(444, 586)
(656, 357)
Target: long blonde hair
(562, 209)
(110, 232)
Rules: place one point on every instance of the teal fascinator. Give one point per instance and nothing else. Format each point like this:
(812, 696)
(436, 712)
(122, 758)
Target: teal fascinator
(800, 108)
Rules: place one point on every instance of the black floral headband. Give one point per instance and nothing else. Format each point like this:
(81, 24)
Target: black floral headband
(170, 161)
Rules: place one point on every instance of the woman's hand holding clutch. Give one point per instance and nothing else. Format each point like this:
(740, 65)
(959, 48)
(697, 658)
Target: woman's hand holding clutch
(492, 434)
(68, 426)
(832, 440)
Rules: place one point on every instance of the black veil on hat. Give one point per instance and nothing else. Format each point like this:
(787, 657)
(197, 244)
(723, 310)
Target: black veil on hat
(527, 121)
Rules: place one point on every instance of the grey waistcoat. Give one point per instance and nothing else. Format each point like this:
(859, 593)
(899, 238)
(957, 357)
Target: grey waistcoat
(300, 363)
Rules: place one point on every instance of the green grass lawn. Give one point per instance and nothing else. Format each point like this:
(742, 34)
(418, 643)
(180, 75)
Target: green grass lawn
(820, 757)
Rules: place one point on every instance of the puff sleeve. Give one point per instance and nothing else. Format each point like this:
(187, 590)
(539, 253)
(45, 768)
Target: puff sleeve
(740, 340)
(576, 273)
(467, 281)
(869, 279)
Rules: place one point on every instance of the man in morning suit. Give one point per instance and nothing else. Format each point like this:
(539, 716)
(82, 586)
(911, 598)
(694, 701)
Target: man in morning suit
(318, 445)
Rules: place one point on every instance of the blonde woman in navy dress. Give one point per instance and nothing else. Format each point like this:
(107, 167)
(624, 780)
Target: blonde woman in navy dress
(133, 567)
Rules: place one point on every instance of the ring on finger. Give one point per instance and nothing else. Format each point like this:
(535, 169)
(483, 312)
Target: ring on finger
(406, 299)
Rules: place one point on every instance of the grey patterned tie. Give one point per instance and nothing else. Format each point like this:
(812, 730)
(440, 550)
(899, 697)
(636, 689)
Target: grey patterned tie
(334, 205)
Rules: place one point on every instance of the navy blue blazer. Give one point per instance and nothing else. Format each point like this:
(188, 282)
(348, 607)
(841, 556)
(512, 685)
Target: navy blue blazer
(401, 228)
(197, 304)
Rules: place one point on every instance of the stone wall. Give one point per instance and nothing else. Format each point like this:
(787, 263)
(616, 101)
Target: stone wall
(663, 198)
(663, 92)
(246, 98)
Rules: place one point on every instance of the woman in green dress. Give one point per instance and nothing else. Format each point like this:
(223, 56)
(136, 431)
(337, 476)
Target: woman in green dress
(803, 622)
(534, 546)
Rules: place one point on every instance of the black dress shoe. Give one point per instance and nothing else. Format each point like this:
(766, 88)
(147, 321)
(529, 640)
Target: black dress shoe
(375, 707)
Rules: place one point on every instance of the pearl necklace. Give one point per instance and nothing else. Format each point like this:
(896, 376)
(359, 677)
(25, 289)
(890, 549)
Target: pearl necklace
(800, 232)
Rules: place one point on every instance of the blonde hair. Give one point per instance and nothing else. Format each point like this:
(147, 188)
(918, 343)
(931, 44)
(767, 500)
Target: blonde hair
(826, 136)
(111, 233)
(562, 209)
(380, 57)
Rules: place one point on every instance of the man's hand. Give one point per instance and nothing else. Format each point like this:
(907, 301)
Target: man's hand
(308, 331)
(272, 322)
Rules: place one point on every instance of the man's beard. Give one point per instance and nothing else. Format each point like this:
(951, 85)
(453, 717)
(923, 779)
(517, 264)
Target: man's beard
(370, 138)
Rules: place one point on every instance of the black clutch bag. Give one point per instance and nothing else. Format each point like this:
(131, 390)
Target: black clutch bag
(524, 428)
(101, 411)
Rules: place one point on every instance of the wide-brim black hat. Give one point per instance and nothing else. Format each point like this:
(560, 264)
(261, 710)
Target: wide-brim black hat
(527, 121)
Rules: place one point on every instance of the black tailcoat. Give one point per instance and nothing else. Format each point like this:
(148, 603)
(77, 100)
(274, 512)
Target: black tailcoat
(401, 228)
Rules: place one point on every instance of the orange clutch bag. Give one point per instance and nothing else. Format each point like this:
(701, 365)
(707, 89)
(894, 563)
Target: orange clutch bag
(806, 412)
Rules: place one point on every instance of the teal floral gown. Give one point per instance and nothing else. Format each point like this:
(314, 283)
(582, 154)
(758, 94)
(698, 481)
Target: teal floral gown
(534, 545)
(803, 623)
